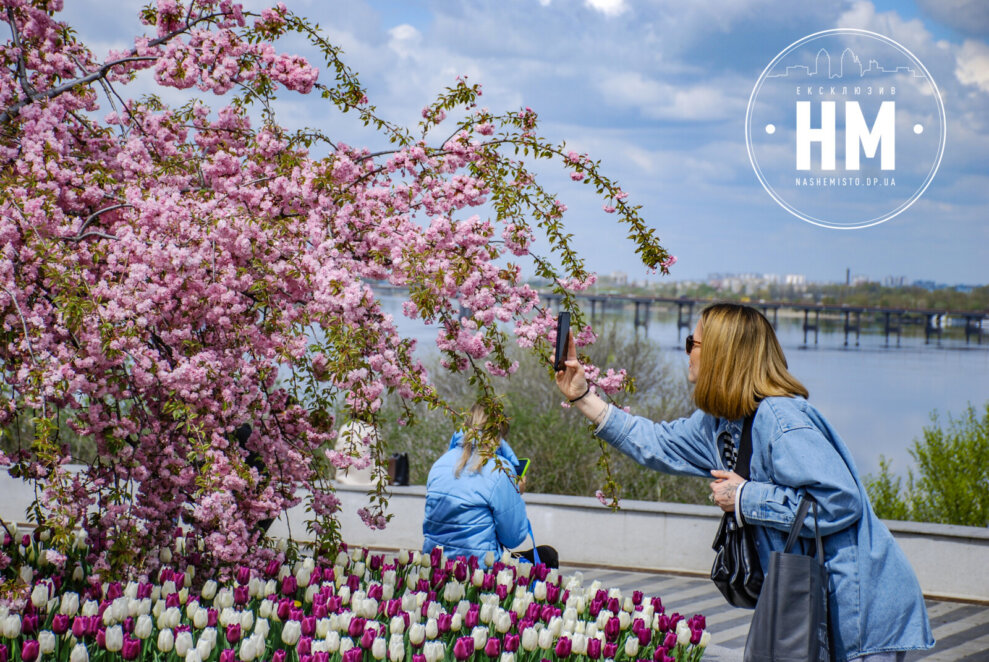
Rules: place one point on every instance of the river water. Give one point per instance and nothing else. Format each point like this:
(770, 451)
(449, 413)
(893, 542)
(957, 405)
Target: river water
(879, 398)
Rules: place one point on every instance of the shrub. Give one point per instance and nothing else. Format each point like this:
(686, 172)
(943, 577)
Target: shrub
(952, 481)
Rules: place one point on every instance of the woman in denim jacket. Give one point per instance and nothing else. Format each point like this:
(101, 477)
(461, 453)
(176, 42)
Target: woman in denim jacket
(877, 609)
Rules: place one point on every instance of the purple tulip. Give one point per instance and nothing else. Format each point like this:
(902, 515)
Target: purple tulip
(473, 616)
(284, 608)
(233, 633)
(502, 591)
(493, 647)
(212, 617)
(242, 594)
(320, 611)
(610, 650)
(657, 605)
(377, 561)
(612, 629)
(172, 600)
(463, 648)
(100, 638)
(114, 591)
(353, 582)
(29, 624)
(645, 636)
(308, 625)
(614, 606)
(563, 647)
(305, 646)
(444, 622)
(228, 655)
(279, 655)
(532, 612)
(659, 654)
(594, 648)
(553, 594)
(289, 585)
(367, 639)
(418, 657)
(435, 557)
(637, 597)
(131, 649)
(670, 641)
(356, 628)
(695, 636)
(144, 590)
(243, 575)
(698, 621)
(79, 626)
(92, 626)
(30, 650)
(511, 642)
(321, 656)
(664, 623)
(5, 655)
(354, 654)
(375, 591)
(460, 572)
(60, 624)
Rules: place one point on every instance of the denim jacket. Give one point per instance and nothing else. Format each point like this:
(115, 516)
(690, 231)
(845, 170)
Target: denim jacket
(875, 600)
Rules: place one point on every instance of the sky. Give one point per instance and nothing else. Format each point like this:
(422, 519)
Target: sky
(658, 91)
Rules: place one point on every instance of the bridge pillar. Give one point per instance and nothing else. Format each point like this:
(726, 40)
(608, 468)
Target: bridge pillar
(891, 325)
(932, 328)
(685, 323)
(811, 327)
(852, 326)
(973, 325)
(642, 319)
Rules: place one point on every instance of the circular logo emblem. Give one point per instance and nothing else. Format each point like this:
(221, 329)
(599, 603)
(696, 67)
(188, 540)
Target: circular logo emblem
(845, 128)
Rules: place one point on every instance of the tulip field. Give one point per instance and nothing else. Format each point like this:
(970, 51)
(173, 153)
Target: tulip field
(408, 607)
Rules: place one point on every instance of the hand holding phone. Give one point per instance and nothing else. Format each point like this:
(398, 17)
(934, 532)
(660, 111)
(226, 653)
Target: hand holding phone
(562, 340)
(522, 467)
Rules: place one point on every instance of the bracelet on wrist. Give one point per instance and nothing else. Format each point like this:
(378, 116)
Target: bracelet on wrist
(581, 396)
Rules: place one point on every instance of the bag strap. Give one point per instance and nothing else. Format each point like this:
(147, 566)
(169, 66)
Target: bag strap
(798, 522)
(745, 448)
(535, 550)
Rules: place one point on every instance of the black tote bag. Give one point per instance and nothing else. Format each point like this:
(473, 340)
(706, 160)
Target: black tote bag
(790, 623)
(736, 570)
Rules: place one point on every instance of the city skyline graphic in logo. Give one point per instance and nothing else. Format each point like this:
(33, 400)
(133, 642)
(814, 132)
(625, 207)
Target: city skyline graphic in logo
(846, 141)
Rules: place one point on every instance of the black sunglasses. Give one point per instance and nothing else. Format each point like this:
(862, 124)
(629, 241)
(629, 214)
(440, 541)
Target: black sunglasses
(691, 343)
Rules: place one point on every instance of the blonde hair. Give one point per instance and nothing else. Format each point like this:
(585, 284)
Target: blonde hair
(480, 429)
(741, 362)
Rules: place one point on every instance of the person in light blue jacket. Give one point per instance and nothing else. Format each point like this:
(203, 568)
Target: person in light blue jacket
(876, 606)
(474, 505)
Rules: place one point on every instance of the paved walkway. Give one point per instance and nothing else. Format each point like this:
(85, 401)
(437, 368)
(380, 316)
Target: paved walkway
(961, 630)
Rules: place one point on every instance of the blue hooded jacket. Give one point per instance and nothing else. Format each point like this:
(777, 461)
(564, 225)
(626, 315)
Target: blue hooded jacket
(478, 512)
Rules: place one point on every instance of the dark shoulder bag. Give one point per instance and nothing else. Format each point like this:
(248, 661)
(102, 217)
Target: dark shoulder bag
(736, 571)
(791, 620)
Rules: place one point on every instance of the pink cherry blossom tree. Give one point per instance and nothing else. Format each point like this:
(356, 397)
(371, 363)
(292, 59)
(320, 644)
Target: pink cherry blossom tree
(168, 274)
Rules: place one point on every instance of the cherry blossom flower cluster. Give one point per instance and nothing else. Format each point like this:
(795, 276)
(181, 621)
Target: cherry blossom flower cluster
(198, 294)
(358, 607)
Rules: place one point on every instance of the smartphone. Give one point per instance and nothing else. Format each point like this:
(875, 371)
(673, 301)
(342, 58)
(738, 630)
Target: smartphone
(562, 335)
(522, 467)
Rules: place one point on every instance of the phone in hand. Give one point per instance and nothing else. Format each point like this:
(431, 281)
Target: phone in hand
(522, 467)
(562, 338)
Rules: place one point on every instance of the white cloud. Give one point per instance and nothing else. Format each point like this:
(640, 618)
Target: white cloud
(607, 7)
(405, 40)
(973, 64)
(967, 16)
(661, 100)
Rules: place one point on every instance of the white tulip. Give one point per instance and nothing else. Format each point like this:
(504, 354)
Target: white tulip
(12, 626)
(143, 626)
(291, 632)
(79, 653)
(77, 576)
(539, 591)
(555, 626)
(379, 648)
(46, 642)
(480, 635)
(487, 611)
(165, 555)
(114, 638)
(265, 608)
(332, 642)
(632, 646)
(344, 594)
(434, 651)
(591, 630)
(254, 587)
(199, 619)
(624, 620)
(503, 621)
(183, 643)
(396, 626)
(507, 657)
(396, 648)
(579, 644)
(193, 656)
(283, 572)
(417, 634)
(270, 587)
(705, 639)
(204, 647)
(166, 640)
(489, 559)
(248, 650)
(262, 628)
(209, 590)
(683, 634)
(530, 640)
(167, 588)
(39, 596)
(545, 639)
(246, 620)
(346, 643)
(432, 629)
